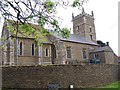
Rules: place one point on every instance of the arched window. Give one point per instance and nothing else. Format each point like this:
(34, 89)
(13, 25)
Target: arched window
(33, 49)
(90, 29)
(21, 48)
(46, 52)
(96, 56)
(68, 52)
(91, 37)
(84, 54)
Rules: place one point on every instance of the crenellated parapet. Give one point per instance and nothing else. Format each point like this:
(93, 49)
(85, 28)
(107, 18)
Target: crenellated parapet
(83, 14)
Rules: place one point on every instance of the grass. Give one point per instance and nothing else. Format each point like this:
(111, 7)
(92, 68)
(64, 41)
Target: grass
(113, 85)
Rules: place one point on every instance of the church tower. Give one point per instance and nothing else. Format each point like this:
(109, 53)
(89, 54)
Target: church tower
(83, 25)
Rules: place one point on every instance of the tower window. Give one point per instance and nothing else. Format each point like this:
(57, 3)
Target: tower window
(91, 37)
(21, 47)
(33, 49)
(90, 29)
(84, 54)
(68, 52)
(77, 27)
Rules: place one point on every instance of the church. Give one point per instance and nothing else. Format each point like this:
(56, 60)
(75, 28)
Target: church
(81, 47)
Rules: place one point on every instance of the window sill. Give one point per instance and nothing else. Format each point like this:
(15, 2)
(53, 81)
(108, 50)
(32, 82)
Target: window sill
(46, 57)
(25, 56)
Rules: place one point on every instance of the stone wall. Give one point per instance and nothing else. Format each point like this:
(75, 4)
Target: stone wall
(76, 51)
(81, 76)
(119, 72)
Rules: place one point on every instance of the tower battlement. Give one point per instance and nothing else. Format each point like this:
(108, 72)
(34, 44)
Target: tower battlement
(83, 14)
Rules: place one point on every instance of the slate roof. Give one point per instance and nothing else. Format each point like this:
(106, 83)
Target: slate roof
(77, 39)
(105, 48)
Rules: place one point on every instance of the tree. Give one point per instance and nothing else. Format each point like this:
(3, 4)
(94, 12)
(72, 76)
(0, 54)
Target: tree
(42, 12)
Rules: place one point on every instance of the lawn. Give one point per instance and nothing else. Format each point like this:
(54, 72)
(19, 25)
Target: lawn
(113, 85)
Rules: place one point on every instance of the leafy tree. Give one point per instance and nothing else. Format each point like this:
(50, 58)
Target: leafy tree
(42, 12)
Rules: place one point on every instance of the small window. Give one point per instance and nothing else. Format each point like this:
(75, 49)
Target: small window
(68, 52)
(52, 86)
(33, 49)
(77, 27)
(96, 56)
(46, 52)
(21, 47)
(91, 37)
(84, 54)
(90, 29)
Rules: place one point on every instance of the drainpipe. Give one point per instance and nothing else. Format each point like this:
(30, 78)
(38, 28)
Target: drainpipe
(41, 55)
(17, 44)
(18, 14)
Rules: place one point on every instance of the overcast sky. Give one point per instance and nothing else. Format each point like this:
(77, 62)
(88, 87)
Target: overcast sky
(106, 20)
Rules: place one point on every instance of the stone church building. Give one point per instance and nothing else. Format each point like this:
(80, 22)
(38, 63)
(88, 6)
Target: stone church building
(80, 47)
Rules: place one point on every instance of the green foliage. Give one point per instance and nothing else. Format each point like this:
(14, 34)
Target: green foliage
(76, 3)
(30, 16)
(6, 14)
(113, 85)
(65, 33)
(42, 21)
(28, 29)
(49, 5)
(45, 32)
(54, 23)
(5, 4)
(41, 11)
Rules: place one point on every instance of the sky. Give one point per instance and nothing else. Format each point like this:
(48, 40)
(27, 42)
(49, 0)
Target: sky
(106, 19)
